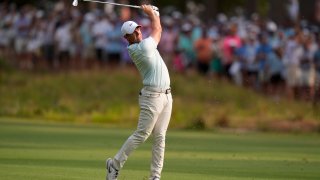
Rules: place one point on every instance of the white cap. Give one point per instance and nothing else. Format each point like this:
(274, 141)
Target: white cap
(128, 27)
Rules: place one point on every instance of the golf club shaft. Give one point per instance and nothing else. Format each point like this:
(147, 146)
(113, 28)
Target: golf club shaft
(116, 4)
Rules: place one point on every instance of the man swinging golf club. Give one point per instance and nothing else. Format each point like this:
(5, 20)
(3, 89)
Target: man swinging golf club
(155, 98)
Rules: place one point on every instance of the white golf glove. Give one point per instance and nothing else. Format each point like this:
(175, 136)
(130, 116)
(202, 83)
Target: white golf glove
(155, 10)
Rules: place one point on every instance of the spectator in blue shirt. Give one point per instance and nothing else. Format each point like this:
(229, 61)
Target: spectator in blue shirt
(263, 51)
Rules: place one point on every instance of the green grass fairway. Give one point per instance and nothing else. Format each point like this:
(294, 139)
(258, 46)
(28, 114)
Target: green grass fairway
(53, 151)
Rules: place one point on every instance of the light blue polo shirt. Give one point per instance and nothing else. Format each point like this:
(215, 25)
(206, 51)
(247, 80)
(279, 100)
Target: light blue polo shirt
(149, 63)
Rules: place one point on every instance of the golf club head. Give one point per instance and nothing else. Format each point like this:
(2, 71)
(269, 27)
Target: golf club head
(75, 3)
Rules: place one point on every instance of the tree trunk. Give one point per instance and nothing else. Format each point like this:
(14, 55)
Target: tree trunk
(278, 11)
(211, 9)
(307, 9)
(251, 7)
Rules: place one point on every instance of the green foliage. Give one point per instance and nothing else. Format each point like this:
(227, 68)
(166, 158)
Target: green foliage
(228, 6)
(111, 97)
(5, 66)
(263, 7)
(50, 151)
(24, 2)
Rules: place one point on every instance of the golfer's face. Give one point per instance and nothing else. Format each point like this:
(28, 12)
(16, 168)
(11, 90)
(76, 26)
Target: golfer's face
(137, 33)
(135, 37)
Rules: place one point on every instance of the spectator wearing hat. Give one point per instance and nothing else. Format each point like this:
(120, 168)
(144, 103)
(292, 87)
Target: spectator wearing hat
(308, 74)
(291, 59)
(203, 50)
(247, 56)
(99, 30)
(274, 72)
(87, 54)
(168, 41)
(185, 45)
(229, 46)
(113, 47)
(263, 51)
(63, 44)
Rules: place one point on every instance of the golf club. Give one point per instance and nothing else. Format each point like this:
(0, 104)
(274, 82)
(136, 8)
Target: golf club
(75, 3)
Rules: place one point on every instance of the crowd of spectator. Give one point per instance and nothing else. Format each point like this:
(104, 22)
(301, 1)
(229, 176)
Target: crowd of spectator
(247, 51)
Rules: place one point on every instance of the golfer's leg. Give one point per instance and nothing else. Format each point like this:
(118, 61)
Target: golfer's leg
(147, 120)
(159, 135)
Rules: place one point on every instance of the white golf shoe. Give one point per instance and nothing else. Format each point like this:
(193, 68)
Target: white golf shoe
(154, 178)
(112, 173)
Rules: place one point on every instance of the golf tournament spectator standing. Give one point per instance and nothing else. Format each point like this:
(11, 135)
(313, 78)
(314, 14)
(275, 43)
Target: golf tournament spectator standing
(316, 60)
(54, 36)
(155, 97)
(203, 49)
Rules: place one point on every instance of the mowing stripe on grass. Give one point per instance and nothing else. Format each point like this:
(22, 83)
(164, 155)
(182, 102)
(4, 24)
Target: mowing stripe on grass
(49, 151)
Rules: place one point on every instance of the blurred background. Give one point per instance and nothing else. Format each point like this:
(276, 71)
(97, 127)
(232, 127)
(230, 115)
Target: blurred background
(249, 64)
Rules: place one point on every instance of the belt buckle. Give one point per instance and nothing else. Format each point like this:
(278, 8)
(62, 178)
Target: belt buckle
(168, 91)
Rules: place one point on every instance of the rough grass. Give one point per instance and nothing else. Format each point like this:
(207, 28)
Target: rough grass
(50, 151)
(110, 96)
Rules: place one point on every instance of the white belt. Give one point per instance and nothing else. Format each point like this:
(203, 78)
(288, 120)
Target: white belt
(158, 90)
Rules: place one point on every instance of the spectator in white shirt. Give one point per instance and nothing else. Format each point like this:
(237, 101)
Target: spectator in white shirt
(99, 30)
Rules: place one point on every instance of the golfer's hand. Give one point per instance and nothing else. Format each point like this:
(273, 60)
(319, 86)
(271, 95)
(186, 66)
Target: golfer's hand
(149, 10)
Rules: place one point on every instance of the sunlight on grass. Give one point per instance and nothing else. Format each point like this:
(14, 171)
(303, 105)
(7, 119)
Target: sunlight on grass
(41, 150)
(111, 96)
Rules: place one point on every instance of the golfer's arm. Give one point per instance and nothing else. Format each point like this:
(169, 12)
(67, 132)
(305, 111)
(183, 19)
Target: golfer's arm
(155, 27)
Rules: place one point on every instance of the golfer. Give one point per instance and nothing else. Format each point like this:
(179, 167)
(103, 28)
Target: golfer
(155, 98)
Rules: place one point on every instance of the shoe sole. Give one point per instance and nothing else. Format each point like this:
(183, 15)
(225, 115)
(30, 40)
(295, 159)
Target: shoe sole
(108, 167)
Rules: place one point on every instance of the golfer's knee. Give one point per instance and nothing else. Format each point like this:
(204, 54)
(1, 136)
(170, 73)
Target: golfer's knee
(141, 136)
(159, 137)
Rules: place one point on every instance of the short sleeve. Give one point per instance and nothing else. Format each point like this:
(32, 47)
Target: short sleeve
(149, 43)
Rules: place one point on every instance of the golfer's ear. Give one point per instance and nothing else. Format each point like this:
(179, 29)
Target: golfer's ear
(126, 37)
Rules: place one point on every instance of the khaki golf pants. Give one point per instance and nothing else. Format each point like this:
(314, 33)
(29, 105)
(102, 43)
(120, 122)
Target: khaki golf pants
(155, 113)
